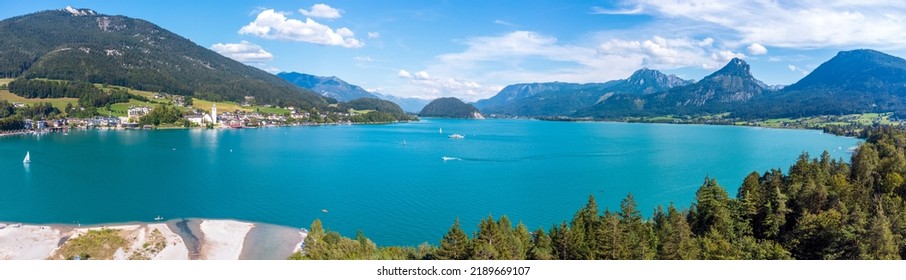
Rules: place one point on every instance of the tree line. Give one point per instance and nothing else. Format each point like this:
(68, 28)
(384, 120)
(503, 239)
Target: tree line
(163, 114)
(89, 96)
(12, 118)
(821, 208)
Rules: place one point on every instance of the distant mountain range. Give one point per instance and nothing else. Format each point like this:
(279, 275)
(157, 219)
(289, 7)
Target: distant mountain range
(340, 90)
(332, 87)
(564, 99)
(716, 93)
(83, 45)
(852, 82)
(410, 104)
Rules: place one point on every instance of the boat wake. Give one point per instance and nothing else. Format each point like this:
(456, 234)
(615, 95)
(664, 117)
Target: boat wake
(532, 158)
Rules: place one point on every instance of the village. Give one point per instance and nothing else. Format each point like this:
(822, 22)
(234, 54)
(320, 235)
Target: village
(191, 117)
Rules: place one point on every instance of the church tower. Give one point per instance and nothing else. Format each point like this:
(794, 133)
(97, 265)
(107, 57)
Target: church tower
(214, 114)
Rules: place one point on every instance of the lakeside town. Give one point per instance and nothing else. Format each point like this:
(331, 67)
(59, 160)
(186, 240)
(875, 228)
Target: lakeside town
(245, 115)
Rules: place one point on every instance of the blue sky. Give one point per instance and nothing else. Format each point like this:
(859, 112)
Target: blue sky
(471, 49)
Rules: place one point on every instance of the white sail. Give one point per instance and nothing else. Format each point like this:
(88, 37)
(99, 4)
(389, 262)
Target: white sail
(27, 157)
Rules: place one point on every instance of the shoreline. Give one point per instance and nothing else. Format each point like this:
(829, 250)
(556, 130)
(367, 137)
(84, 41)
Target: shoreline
(548, 119)
(163, 240)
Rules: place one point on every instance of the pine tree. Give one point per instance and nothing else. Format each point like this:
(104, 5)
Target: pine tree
(314, 245)
(486, 240)
(455, 244)
(710, 210)
(505, 241)
(524, 241)
(879, 243)
(637, 234)
(775, 213)
(560, 241)
(584, 225)
(750, 194)
(608, 238)
(541, 246)
(675, 237)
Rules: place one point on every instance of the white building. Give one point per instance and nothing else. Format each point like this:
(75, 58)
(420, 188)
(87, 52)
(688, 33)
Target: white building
(214, 114)
(138, 111)
(196, 119)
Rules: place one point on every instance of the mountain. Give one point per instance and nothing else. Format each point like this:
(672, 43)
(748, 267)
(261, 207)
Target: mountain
(450, 107)
(646, 81)
(856, 81)
(565, 99)
(716, 93)
(538, 99)
(857, 70)
(332, 87)
(409, 104)
(338, 89)
(83, 45)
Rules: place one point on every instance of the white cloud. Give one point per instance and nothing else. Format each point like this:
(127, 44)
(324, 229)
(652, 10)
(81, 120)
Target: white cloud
(795, 68)
(725, 56)
(602, 11)
(363, 59)
(505, 23)
(374, 35)
(757, 49)
(322, 11)
(422, 75)
(516, 44)
(248, 53)
(243, 52)
(273, 25)
(430, 88)
(526, 56)
(664, 54)
(790, 24)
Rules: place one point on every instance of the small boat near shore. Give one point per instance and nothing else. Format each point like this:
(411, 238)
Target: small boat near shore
(158, 218)
(457, 136)
(324, 210)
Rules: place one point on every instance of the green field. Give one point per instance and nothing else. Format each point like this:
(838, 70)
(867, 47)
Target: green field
(59, 103)
(221, 106)
(121, 109)
(360, 112)
(278, 111)
(662, 119)
(822, 121)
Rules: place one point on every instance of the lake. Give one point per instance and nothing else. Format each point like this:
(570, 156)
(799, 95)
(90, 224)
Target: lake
(390, 181)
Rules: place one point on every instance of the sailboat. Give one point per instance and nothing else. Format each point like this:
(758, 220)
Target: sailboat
(27, 158)
(441, 130)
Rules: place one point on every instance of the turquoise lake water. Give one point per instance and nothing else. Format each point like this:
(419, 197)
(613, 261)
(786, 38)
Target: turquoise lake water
(390, 181)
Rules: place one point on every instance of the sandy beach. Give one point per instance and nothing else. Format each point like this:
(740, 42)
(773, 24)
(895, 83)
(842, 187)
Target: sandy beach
(176, 249)
(28, 242)
(223, 240)
(219, 240)
(144, 241)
